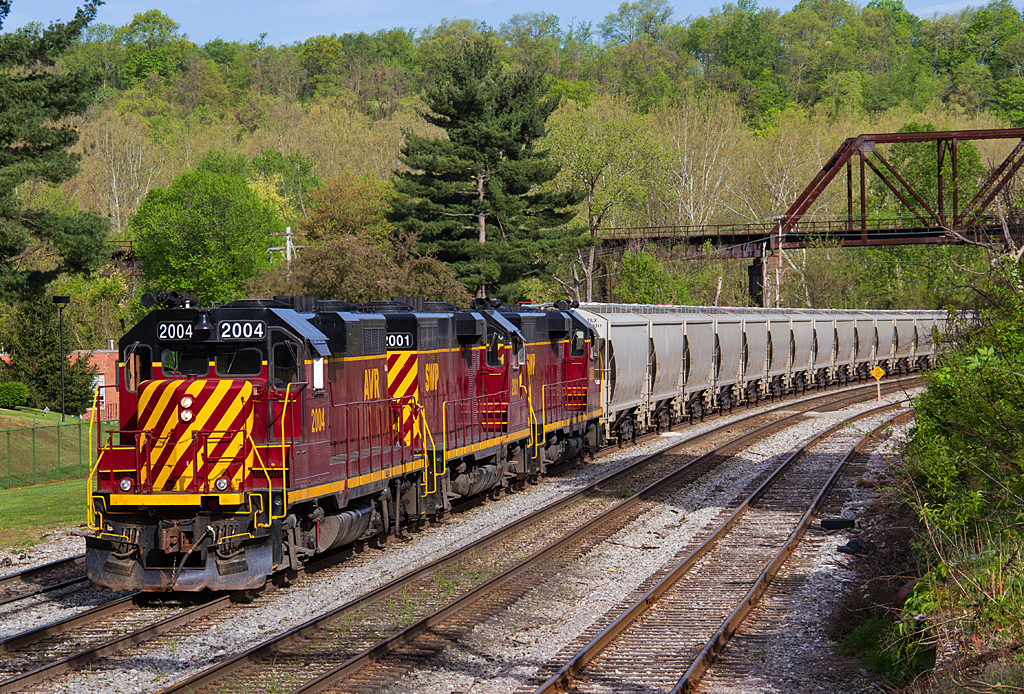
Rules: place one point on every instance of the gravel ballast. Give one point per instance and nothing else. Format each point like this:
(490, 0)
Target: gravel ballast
(500, 655)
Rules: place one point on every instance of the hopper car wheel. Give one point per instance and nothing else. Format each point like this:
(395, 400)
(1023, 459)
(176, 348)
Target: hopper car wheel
(697, 410)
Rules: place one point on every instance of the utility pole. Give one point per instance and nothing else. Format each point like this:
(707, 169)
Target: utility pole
(61, 301)
(289, 251)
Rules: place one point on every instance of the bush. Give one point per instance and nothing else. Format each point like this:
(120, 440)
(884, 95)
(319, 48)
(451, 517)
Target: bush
(13, 394)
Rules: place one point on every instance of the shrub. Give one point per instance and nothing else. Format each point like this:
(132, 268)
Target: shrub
(13, 394)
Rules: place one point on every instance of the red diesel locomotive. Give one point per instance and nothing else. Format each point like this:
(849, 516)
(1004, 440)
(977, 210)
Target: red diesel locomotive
(255, 435)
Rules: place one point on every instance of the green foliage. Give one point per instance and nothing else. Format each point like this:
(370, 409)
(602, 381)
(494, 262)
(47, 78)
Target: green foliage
(350, 206)
(31, 336)
(637, 21)
(36, 103)
(473, 197)
(644, 280)
(359, 269)
(207, 234)
(965, 456)
(13, 394)
(917, 163)
(894, 650)
(153, 46)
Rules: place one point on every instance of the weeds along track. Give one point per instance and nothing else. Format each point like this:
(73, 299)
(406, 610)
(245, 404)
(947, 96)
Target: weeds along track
(377, 637)
(676, 627)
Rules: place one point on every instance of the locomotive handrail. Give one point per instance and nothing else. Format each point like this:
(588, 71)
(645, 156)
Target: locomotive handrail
(284, 462)
(565, 387)
(389, 408)
(453, 425)
(205, 434)
(90, 505)
(533, 416)
(270, 486)
(433, 447)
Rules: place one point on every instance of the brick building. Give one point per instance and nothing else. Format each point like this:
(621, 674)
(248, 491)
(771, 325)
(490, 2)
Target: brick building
(105, 361)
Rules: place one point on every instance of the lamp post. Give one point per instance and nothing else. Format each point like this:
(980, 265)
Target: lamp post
(61, 301)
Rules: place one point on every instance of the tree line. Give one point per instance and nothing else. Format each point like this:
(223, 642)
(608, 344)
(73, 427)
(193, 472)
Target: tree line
(464, 159)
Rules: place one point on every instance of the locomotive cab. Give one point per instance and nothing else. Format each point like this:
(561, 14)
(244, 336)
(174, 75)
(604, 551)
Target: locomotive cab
(215, 407)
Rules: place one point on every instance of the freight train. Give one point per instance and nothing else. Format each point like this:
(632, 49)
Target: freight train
(259, 434)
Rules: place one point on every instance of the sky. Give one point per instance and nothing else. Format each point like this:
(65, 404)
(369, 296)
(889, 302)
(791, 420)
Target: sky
(296, 20)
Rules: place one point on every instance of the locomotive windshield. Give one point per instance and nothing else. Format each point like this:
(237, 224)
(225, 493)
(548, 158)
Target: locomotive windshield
(244, 361)
(138, 366)
(185, 362)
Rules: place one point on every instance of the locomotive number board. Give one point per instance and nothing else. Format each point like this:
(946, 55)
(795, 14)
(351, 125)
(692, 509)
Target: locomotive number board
(400, 341)
(175, 330)
(242, 330)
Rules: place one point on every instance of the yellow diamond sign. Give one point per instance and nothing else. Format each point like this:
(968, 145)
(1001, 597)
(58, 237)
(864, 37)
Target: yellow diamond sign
(878, 372)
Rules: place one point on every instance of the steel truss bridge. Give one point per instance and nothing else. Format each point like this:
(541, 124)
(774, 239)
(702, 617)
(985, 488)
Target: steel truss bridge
(930, 218)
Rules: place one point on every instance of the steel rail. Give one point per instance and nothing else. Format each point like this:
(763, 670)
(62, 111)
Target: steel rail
(267, 649)
(572, 669)
(71, 662)
(26, 574)
(716, 644)
(111, 646)
(62, 626)
(45, 589)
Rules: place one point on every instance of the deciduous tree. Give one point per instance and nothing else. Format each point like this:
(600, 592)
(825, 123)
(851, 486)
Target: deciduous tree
(207, 234)
(31, 336)
(612, 156)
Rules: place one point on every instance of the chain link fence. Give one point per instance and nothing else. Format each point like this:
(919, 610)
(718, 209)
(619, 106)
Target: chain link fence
(49, 452)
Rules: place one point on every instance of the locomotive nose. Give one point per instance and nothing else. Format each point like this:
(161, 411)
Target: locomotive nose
(198, 431)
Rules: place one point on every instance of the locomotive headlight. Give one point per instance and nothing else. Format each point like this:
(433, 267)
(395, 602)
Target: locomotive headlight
(186, 402)
(125, 484)
(186, 415)
(221, 484)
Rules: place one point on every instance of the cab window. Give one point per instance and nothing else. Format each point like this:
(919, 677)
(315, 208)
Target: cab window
(286, 364)
(496, 350)
(579, 339)
(185, 363)
(518, 353)
(246, 361)
(138, 366)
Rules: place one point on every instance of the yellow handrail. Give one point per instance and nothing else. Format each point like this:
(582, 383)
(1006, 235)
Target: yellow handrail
(533, 416)
(270, 485)
(429, 434)
(90, 505)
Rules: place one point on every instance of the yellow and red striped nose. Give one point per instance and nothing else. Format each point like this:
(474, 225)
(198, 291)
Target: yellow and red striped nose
(198, 430)
(404, 384)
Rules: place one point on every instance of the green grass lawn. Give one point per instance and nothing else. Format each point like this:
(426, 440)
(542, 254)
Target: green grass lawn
(28, 514)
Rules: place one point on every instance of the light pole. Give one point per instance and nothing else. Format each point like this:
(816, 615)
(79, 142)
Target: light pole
(61, 301)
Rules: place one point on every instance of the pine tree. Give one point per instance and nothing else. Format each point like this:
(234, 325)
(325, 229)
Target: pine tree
(472, 198)
(37, 244)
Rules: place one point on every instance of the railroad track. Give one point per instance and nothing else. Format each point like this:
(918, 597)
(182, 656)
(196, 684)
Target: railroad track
(387, 631)
(668, 637)
(56, 575)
